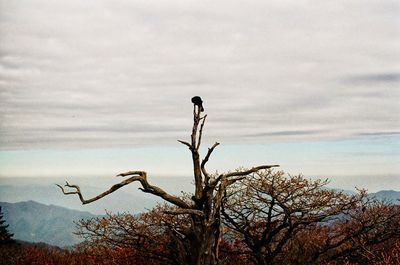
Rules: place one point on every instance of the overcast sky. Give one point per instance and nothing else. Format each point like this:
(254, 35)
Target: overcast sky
(94, 86)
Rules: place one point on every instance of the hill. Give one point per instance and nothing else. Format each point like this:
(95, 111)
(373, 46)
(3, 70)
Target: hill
(36, 222)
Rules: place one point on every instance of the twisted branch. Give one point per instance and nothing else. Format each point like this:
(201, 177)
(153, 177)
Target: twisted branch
(140, 176)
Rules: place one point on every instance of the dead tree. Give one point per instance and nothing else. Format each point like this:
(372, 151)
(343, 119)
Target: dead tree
(203, 209)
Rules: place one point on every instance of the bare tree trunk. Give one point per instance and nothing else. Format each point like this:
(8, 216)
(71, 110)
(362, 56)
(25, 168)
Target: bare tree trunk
(205, 243)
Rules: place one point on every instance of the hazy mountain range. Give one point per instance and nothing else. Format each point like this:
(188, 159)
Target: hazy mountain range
(54, 225)
(37, 211)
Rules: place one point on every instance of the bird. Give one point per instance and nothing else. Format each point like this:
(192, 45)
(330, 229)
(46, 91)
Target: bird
(198, 102)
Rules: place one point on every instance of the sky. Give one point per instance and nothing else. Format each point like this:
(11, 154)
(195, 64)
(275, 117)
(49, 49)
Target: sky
(95, 88)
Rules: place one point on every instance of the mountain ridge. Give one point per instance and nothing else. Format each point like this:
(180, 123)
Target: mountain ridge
(35, 222)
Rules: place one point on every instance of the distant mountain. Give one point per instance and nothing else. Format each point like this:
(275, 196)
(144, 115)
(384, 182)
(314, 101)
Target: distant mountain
(36, 222)
(391, 196)
(119, 201)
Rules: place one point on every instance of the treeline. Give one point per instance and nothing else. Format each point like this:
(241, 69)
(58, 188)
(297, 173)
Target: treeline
(268, 218)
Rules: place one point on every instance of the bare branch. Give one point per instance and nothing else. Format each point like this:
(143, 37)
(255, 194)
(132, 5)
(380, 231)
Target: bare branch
(134, 172)
(77, 190)
(185, 143)
(249, 171)
(205, 160)
(233, 180)
(241, 173)
(193, 136)
(201, 131)
(140, 176)
(195, 154)
(185, 211)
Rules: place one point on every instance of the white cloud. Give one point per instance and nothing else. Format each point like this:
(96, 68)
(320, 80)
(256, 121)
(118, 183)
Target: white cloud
(121, 73)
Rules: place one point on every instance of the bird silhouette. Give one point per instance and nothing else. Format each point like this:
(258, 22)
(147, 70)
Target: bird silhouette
(198, 102)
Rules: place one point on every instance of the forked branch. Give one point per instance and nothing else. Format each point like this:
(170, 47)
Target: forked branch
(205, 160)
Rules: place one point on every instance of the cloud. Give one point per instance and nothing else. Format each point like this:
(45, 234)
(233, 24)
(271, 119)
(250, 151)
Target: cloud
(380, 133)
(94, 74)
(286, 133)
(373, 79)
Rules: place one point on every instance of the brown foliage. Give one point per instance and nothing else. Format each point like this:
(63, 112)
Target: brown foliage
(369, 236)
(22, 254)
(365, 236)
(155, 235)
(292, 220)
